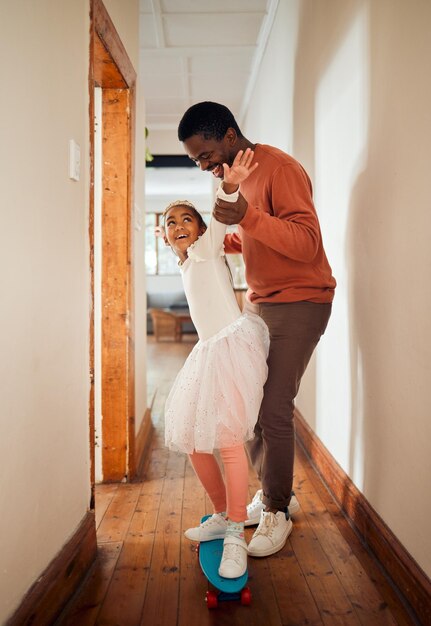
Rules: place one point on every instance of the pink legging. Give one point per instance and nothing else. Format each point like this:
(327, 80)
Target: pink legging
(232, 496)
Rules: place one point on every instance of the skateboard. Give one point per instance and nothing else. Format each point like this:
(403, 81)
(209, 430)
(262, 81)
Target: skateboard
(210, 553)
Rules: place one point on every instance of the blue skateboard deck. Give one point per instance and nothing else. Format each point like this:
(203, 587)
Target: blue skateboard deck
(210, 553)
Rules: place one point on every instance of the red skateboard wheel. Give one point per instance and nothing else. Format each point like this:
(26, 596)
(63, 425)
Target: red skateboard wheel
(246, 596)
(211, 600)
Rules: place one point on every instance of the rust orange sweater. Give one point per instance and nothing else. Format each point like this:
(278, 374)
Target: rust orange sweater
(279, 236)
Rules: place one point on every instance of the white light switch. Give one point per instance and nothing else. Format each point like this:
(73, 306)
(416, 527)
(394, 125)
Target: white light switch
(74, 160)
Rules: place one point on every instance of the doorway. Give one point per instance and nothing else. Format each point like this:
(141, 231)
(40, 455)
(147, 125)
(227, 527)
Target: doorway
(112, 81)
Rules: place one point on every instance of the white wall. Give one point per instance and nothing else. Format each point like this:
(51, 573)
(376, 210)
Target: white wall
(356, 114)
(164, 142)
(276, 77)
(44, 261)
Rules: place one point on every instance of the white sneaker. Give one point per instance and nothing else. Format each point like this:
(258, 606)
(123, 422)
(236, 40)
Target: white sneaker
(212, 528)
(256, 506)
(271, 534)
(233, 562)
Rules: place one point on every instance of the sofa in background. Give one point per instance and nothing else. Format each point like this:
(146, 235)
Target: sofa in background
(169, 301)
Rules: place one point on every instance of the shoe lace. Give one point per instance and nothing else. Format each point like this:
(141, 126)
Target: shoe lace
(232, 552)
(211, 521)
(267, 525)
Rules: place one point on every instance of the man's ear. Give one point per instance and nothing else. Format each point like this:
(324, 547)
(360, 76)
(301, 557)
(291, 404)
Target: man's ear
(231, 136)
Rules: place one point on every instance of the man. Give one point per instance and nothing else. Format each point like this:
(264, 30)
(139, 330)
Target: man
(290, 285)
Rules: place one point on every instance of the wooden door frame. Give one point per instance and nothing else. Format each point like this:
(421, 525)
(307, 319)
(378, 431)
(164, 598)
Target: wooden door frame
(112, 70)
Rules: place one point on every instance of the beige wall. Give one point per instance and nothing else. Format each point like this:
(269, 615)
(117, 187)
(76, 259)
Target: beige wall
(360, 101)
(44, 260)
(125, 16)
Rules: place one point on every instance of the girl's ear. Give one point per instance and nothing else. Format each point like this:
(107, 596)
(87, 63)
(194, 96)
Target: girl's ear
(159, 231)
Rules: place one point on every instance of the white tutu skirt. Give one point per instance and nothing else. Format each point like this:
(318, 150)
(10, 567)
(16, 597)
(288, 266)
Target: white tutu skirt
(215, 399)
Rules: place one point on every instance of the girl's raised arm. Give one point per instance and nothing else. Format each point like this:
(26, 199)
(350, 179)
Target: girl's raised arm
(240, 169)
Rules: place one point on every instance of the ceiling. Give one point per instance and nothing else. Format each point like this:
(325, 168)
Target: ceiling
(194, 50)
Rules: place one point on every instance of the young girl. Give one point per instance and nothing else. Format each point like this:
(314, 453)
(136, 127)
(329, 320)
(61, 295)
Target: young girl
(215, 399)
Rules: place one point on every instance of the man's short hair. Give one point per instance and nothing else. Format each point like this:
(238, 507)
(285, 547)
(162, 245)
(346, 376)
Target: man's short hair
(209, 119)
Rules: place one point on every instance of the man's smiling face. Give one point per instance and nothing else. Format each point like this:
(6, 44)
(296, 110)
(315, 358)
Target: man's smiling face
(210, 154)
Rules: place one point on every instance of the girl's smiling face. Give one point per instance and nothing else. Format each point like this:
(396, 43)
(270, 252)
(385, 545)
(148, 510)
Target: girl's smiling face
(182, 228)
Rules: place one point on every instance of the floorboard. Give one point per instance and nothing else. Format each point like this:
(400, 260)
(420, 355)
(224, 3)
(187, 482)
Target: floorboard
(147, 573)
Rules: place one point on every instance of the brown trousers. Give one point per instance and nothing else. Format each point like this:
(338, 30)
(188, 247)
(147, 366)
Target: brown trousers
(295, 329)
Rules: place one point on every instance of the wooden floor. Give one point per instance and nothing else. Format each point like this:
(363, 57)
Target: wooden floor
(147, 572)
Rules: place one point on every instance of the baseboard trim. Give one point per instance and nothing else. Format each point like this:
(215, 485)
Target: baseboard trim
(143, 442)
(401, 568)
(46, 598)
